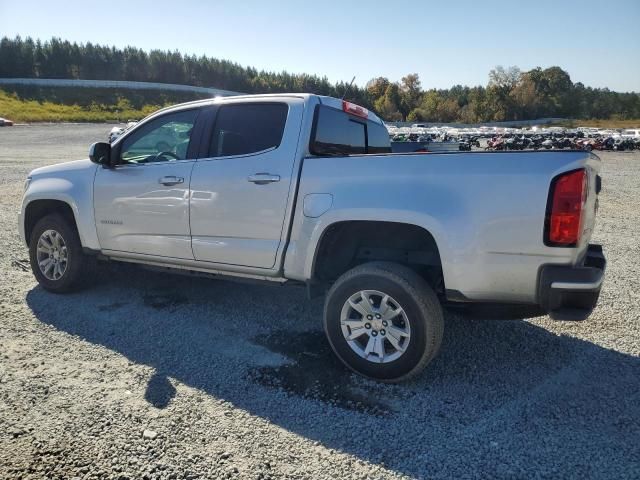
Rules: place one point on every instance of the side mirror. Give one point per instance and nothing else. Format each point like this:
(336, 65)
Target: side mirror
(100, 153)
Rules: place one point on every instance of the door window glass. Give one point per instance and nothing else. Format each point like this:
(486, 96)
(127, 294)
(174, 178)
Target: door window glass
(243, 129)
(163, 139)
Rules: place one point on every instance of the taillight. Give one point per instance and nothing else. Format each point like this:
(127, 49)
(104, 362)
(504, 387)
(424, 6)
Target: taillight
(565, 209)
(354, 109)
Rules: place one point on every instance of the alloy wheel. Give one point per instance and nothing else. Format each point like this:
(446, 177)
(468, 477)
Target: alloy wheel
(375, 326)
(52, 255)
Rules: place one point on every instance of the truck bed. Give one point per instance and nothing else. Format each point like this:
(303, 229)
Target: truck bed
(485, 210)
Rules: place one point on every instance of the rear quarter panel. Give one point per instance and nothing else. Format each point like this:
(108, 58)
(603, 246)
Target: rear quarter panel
(486, 212)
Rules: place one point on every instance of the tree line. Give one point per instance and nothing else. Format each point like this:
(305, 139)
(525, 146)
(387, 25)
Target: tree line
(510, 93)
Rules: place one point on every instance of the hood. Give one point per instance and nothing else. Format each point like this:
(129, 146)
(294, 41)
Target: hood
(75, 165)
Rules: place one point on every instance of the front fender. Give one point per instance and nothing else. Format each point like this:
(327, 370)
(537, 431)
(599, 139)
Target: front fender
(73, 187)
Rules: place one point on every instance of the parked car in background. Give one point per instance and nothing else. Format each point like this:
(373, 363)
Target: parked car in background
(117, 131)
(631, 133)
(304, 189)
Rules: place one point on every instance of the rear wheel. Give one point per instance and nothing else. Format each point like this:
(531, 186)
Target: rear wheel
(383, 321)
(55, 254)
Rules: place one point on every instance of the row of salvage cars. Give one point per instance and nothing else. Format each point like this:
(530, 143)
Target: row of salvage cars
(494, 138)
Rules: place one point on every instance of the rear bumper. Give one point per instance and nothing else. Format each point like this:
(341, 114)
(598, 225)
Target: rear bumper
(571, 292)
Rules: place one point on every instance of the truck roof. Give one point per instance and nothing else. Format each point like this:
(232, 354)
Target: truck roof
(322, 99)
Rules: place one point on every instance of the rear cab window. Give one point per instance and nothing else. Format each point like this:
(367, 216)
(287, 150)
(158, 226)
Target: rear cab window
(338, 133)
(248, 128)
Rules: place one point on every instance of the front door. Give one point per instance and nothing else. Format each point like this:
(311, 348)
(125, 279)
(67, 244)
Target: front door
(239, 193)
(142, 204)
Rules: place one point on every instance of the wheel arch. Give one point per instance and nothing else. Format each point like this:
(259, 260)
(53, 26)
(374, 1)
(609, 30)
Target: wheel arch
(364, 241)
(37, 209)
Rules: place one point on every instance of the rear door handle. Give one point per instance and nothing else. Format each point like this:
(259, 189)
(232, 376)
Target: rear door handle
(263, 178)
(171, 180)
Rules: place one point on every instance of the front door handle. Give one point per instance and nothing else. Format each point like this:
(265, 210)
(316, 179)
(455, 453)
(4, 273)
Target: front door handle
(171, 180)
(263, 178)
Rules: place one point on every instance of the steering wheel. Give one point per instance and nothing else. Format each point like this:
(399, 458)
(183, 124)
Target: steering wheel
(162, 154)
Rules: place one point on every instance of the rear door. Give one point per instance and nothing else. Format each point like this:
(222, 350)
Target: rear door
(239, 192)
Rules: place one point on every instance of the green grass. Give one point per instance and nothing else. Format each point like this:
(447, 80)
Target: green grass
(28, 104)
(19, 110)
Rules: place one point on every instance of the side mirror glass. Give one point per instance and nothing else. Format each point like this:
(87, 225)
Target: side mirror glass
(100, 153)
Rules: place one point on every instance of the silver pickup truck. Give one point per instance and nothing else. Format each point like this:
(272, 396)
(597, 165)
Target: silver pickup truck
(304, 189)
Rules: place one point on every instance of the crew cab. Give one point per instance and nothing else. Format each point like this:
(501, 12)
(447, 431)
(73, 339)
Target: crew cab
(299, 188)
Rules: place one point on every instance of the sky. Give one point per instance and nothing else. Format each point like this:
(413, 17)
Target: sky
(446, 43)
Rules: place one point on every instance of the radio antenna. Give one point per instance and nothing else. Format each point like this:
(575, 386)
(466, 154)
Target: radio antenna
(348, 87)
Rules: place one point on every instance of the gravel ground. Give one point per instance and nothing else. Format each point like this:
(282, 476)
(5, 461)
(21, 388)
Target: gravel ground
(146, 375)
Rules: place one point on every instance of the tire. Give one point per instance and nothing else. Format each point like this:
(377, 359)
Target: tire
(76, 265)
(420, 308)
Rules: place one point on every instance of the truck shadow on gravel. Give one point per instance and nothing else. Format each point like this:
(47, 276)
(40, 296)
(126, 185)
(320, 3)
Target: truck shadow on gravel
(504, 394)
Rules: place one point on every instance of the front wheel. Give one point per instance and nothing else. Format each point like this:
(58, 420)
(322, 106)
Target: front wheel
(56, 256)
(383, 321)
